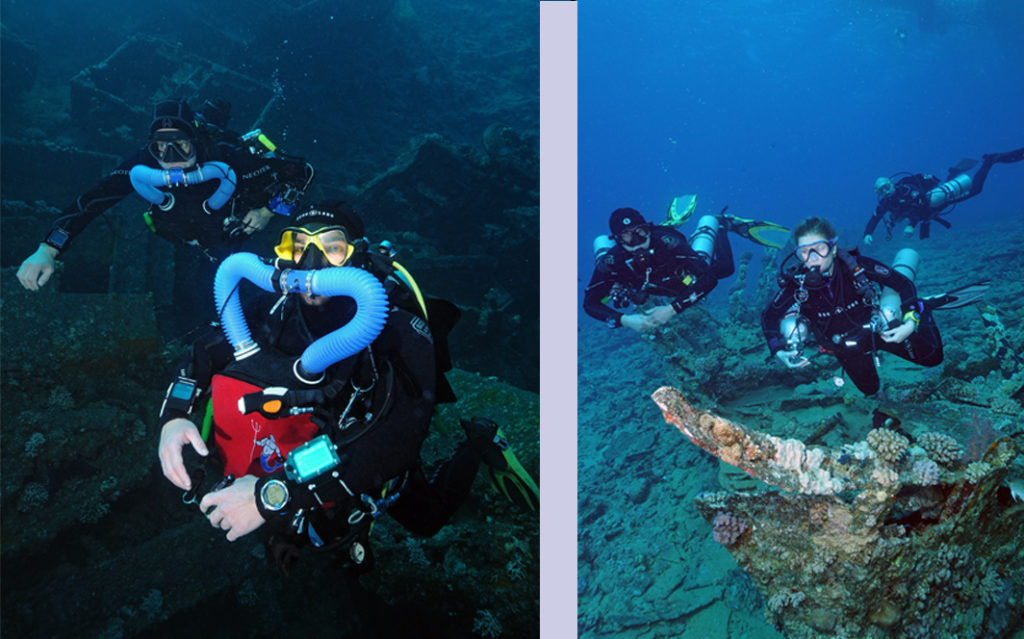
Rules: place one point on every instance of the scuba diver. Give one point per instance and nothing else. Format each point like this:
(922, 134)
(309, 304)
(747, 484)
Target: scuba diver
(316, 400)
(639, 259)
(921, 199)
(834, 295)
(203, 191)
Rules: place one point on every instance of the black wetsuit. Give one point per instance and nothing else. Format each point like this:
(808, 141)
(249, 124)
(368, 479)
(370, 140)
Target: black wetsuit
(910, 200)
(383, 431)
(838, 308)
(217, 233)
(662, 269)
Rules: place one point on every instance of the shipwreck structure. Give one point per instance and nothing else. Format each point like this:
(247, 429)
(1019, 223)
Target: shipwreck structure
(893, 536)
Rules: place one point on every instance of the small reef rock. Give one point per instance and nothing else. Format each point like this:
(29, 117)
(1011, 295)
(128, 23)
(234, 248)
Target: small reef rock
(893, 536)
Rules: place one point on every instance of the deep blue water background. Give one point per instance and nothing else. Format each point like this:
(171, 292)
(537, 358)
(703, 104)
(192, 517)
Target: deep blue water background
(783, 110)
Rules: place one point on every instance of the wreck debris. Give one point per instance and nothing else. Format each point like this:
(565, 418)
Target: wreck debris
(874, 539)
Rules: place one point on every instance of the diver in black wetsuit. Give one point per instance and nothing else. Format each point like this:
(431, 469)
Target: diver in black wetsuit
(313, 458)
(237, 193)
(650, 260)
(832, 294)
(920, 199)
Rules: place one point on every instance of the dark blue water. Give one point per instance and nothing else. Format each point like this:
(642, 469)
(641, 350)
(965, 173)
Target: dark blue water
(782, 110)
(95, 541)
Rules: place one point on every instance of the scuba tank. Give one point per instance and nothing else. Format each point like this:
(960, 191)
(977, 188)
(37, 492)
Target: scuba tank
(905, 264)
(949, 192)
(602, 244)
(703, 240)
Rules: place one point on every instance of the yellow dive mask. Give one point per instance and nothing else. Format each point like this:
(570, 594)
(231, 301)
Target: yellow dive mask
(331, 241)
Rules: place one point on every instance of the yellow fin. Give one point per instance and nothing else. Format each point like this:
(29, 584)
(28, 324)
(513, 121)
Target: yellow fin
(680, 210)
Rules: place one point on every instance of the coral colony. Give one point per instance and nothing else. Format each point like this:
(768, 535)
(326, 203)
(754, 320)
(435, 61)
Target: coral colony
(892, 536)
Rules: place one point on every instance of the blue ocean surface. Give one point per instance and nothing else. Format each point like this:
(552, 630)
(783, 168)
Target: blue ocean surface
(780, 111)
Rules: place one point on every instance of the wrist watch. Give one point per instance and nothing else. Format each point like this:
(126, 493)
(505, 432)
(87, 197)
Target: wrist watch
(58, 238)
(274, 495)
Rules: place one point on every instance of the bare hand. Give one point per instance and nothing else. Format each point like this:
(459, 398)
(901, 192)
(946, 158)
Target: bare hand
(234, 508)
(639, 322)
(36, 270)
(792, 358)
(900, 333)
(175, 435)
(256, 220)
(661, 314)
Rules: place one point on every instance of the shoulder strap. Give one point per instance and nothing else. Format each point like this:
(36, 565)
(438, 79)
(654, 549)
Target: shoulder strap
(860, 279)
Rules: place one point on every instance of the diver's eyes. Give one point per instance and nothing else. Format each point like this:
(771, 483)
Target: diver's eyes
(185, 146)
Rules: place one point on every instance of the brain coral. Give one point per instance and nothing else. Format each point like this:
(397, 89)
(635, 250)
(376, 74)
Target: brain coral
(941, 448)
(889, 444)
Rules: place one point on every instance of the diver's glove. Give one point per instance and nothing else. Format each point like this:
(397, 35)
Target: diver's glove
(792, 358)
(868, 239)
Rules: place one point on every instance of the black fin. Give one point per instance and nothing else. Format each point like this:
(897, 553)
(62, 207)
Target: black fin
(963, 166)
(958, 297)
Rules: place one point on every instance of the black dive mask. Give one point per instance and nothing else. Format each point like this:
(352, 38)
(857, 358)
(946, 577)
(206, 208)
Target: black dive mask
(171, 147)
(312, 259)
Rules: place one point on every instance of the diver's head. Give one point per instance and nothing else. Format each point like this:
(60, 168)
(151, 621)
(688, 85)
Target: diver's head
(172, 135)
(630, 229)
(815, 239)
(323, 234)
(884, 187)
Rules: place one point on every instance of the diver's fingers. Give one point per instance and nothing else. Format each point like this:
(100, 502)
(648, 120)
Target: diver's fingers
(174, 436)
(212, 500)
(44, 276)
(28, 276)
(173, 467)
(197, 442)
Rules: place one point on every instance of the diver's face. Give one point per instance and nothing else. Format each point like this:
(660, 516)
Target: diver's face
(173, 149)
(814, 249)
(635, 239)
(329, 248)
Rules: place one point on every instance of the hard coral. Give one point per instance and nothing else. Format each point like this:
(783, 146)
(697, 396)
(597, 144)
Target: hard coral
(728, 528)
(924, 472)
(888, 444)
(941, 448)
(976, 471)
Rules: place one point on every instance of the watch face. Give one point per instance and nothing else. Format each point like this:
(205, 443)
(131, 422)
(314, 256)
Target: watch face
(58, 237)
(274, 495)
(181, 390)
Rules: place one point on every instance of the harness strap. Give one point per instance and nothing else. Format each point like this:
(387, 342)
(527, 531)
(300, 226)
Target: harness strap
(861, 283)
